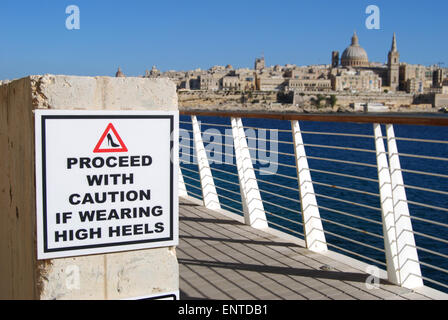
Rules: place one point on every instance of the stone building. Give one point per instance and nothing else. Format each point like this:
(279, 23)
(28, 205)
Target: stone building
(309, 84)
(437, 78)
(210, 81)
(412, 78)
(239, 81)
(356, 80)
(415, 85)
(270, 83)
(231, 83)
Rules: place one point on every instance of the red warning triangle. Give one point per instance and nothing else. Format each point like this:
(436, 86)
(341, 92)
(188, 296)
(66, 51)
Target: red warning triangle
(113, 143)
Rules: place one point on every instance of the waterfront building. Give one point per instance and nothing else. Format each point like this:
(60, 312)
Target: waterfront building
(414, 85)
(412, 78)
(437, 78)
(210, 81)
(309, 84)
(356, 80)
(231, 83)
(270, 83)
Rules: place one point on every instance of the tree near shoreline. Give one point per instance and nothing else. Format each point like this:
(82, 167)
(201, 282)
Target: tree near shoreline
(319, 99)
(333, 100)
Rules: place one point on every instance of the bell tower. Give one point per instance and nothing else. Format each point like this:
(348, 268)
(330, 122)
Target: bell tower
(335, 59)
(393, 64)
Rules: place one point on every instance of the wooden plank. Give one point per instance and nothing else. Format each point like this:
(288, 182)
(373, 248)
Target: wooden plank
(220, 258)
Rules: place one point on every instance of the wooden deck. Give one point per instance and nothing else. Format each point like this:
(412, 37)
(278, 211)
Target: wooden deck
(221, 258)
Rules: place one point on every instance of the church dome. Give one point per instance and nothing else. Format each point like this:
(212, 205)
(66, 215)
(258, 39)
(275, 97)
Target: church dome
(119, 73)
(354, 55)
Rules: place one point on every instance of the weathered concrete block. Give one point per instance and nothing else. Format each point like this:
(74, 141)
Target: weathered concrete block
(104, 276)
(72, 278)
(98, 93)
(141, 273)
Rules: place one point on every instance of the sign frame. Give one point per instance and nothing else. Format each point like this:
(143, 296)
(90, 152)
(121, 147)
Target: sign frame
(42, 116)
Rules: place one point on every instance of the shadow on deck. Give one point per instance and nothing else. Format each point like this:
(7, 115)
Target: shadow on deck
(221, 258)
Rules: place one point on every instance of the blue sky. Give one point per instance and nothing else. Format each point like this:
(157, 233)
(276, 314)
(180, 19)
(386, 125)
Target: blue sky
(183, 35)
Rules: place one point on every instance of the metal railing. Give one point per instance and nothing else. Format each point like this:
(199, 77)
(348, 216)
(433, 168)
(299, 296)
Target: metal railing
(344, 183)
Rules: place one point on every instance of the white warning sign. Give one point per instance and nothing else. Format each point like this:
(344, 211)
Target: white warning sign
(105, 181)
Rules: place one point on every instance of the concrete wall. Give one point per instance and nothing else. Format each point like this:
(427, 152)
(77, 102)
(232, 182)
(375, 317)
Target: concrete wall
(196, 99)
(441, 100)
(345, 100)
(391, 100)
(104, 276)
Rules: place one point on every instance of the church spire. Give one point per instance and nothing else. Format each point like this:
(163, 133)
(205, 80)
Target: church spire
(394, 43)
(355, 40)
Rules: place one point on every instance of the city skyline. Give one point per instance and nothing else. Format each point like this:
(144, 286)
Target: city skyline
(179, 36)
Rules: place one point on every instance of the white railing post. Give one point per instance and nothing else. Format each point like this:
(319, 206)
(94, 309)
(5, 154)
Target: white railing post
(209, 194)
(312, 224)
(387, 207)
(254, 214)
(182, 188)
(408, 263)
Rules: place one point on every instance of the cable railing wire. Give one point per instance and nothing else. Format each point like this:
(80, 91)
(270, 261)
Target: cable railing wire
(276, 174)
(338, 134)
(439, 175)
(428, 221)
(277, 185)
(356, 254)
(348, 202)
(286, 228)
(349, 215)
(223, 171)
(426, 205)
(344, 175)
(342, 161)
(284, 218)
(230, 199)
(280, 196)
(346, 189)
(352, 228)
(281, 207)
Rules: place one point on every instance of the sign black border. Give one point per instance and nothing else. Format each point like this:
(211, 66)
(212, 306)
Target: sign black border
(44, 181)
